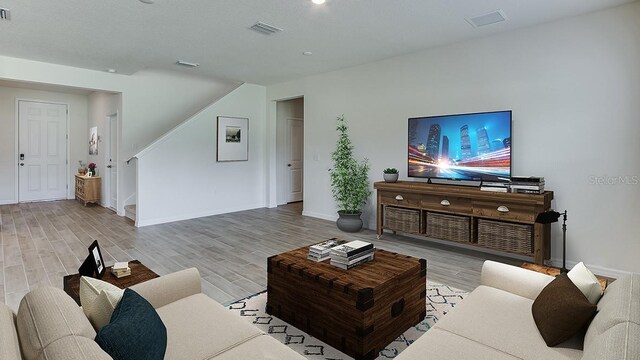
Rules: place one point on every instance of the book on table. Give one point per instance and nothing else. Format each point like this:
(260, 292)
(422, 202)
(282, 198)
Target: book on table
(351, 248)
(322, 251)
(354, 258)
(361, 261)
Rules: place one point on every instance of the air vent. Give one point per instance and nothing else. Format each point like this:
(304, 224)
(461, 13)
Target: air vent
(487, 19)
(5, 14)
(187, 63)
(265, 28)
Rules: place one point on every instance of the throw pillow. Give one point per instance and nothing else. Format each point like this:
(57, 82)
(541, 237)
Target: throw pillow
(98, 299)
(586, 282)
(561, 310)
(135, 332)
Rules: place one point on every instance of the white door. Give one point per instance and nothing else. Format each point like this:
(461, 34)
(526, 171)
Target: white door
(42, 146)
(111, 161)
(295, 155)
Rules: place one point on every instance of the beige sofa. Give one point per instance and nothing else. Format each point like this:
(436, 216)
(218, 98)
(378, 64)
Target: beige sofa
(50, 325)
(494, 322)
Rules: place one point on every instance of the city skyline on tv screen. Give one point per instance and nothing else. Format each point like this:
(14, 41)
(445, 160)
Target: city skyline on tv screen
(464, 147)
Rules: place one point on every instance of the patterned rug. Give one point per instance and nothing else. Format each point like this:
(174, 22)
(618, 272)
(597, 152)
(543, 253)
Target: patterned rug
(440, 300)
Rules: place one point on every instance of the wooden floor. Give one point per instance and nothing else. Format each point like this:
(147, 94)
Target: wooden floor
(42, 242)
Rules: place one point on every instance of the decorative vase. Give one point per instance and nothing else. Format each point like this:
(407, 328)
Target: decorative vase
(349, 222)
(93, 171)
(390, 178)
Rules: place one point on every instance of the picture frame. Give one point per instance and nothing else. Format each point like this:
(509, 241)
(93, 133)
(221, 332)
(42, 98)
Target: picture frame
(96, 259)
(232, 134)
(93, 141)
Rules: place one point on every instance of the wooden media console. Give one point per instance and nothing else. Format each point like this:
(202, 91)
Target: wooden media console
(492, 220)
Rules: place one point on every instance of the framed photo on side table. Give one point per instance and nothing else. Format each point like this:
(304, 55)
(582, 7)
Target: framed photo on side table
(232, 139)
(93, 265)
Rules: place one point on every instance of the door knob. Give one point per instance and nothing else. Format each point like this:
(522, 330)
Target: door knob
(108, 166)
(289, 165)
(21, 164)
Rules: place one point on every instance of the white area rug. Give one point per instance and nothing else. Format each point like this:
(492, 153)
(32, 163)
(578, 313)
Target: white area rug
(440, 300)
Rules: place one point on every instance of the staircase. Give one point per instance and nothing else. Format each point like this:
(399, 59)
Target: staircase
(130, 211)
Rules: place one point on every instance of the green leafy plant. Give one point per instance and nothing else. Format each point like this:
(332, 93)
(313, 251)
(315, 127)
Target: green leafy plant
(349, 177)
(390, 171)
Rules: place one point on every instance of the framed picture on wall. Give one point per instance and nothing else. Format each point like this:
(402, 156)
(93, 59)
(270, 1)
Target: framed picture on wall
(232, 139)
(93, 141)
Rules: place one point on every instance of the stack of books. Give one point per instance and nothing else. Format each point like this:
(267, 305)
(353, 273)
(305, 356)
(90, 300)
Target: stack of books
(495, 186)
(352, 254)
(527, 184)
(121, 269)
(321, 252)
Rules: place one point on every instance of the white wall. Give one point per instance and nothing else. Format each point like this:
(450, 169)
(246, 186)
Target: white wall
(101, 105)
(78, 135)
(153, 102)
(573, 85)
(286, 109)
(179, 178)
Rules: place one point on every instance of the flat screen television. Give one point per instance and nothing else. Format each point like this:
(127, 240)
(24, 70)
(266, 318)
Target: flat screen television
(461, 147)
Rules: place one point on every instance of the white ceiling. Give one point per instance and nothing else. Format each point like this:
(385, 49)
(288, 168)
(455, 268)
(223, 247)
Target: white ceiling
(129, 36)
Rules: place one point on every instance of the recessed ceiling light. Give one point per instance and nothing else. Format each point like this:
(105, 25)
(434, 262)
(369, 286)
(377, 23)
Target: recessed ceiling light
(112, 71)
(307, 53)
(318, 2)
(187, 63)
(148, 1)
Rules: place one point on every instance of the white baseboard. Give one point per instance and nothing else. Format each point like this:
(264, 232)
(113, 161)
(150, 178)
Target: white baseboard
(147, 222)
(7, 202)
(598, 270)
(320, 215)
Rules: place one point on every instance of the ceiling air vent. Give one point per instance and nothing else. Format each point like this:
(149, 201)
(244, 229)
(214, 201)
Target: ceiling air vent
(5, 14)
(265, 28)
(487, 19)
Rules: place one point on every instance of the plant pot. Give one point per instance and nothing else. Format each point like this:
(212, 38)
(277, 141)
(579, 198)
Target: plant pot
(390, 178)
(349, 222)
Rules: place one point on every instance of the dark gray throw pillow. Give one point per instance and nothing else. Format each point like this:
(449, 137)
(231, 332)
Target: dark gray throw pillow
(561, 310)
(135, 331)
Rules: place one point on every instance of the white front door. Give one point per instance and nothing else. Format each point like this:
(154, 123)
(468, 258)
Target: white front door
(295, 159)
(42, 147)
(112, 164)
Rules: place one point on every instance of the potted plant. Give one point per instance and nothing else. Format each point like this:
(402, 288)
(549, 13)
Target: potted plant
(390, 175)
(92, 168)
(349, 181)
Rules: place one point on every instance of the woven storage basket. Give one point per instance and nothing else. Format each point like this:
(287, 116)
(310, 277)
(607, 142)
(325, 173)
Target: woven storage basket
(514, 238)
(405, 220)
(448, 227)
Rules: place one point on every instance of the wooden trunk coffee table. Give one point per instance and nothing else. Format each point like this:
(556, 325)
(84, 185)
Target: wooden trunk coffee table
(358, 311)
(139, 273)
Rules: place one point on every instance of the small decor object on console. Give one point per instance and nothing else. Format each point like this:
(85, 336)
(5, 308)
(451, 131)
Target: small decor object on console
(352, 254)
(321, 252)
(527, 184)
(92, 169)
(390, 175)
(349, 181)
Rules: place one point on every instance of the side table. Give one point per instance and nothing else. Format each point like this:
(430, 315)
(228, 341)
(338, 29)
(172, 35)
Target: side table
(139, 273)
(553, 271)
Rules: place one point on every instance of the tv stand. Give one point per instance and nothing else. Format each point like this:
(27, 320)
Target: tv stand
(499, 221)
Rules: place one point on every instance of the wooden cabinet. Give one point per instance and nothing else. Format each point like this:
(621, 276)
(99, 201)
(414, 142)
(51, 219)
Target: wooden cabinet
(88, 189)
(498, 221)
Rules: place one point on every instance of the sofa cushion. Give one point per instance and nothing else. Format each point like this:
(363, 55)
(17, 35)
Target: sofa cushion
(98, 299)
(135, 331)
(561, 310)
(46, 315)
(9, 345)
(503, 321)
(261, 347)
(620, 303)
(74, 348)
(441, 344)
(200, 328)
(588, 283)
(619, 342)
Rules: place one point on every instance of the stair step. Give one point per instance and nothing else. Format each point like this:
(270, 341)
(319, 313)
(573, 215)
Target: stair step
(130, 212)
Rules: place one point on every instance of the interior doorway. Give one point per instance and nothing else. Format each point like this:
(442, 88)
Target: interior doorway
(290, 150)
(111, 162)
(42, 151)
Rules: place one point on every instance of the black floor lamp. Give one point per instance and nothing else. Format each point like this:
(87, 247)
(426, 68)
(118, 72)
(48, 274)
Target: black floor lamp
(549, 217)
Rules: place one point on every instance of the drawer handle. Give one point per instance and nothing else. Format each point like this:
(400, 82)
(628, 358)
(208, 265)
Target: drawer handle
(503, 209)
(445, 202)
(399, 197)
(397, 308)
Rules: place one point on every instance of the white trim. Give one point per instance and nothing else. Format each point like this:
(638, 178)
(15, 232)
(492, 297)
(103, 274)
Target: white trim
(167, 219)
(320, 215)
(106, 200)
(598, 270)
(287, 144)
(7, 202)
(70, 189)
(179, 126)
